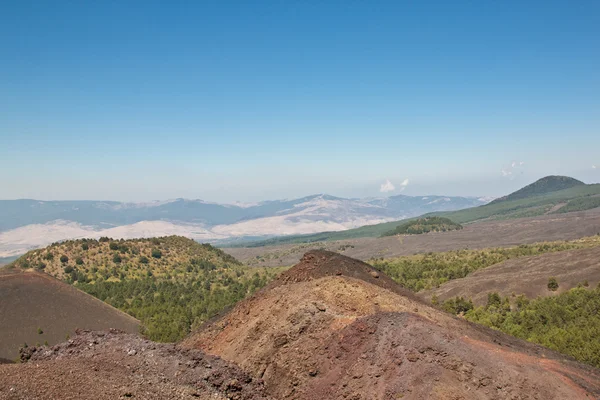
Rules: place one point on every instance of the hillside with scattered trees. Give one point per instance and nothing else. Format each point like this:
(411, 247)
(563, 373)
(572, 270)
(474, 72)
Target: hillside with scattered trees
(170, 284)
(568, 322)
(426, 271)
(424, 225)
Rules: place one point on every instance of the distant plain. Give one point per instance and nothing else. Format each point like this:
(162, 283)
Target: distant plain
(499, 233)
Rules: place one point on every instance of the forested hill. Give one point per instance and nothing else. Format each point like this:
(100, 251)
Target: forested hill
(90, 259)
(169, 283)
(544, 185)
(424, 225)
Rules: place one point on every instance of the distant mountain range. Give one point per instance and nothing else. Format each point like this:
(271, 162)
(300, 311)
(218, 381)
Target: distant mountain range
(26, 224)
(548, 195)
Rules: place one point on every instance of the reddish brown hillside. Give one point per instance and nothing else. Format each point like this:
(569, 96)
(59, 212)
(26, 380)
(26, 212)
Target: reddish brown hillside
(115, 365)
(330, 329)
(317, 264)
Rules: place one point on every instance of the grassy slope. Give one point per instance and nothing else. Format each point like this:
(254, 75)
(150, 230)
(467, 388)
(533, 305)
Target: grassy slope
(542, 186)
(532, 206)
(529, 207)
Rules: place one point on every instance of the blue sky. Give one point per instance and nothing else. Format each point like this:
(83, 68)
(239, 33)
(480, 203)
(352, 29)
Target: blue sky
(248, 101)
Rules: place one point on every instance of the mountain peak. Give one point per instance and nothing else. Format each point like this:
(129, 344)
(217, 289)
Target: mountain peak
(317, 264)
(548, 184)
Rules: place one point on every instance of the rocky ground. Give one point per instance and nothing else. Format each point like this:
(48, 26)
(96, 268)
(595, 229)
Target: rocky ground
(334, 328)
(114, 365)
(330, 328)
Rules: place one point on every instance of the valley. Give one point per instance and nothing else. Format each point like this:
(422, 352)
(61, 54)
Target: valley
(30, 224)
(496, 233)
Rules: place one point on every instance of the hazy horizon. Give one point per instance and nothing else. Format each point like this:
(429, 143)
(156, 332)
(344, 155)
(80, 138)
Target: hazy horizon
(494, 188)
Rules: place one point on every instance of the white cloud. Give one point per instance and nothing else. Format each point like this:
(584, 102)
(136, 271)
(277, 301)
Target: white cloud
(387, 186)
(594, 167)
(403, 185)
(512, 169)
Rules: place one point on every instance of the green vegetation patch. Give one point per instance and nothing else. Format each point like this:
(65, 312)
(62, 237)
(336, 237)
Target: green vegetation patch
(545, 185)
(169, 309)
(171, 284)
(425, 225)
(585, 203)
(568, 323)
(427, 271)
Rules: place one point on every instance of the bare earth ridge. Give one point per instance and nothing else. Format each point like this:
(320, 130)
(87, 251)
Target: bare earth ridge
(333, 327)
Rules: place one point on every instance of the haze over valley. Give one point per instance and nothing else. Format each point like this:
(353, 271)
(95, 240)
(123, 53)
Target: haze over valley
(28, 224)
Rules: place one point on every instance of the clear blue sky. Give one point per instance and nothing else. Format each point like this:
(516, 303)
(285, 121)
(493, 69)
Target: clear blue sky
(227, 101)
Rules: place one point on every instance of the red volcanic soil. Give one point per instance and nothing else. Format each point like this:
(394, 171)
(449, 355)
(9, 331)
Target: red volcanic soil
(115, 365)
(333, 328)
(31, 300)
(320, 263)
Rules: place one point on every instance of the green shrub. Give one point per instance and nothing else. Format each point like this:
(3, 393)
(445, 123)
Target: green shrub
(64, 259)
(144, 260)
(457, 305)
(68, 269)
(85, 246)
(552, 284)
(117, 259)
(113, 246)
(156, 253)
(79, 261)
